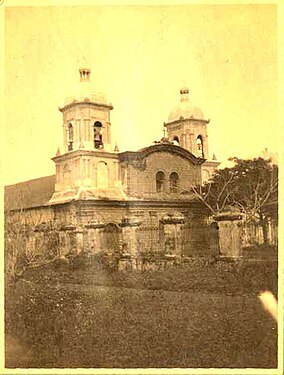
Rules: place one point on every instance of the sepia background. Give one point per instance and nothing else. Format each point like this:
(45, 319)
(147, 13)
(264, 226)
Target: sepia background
(140, 56)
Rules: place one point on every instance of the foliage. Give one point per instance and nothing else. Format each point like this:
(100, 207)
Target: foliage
(29, 242)
(98, 261)
(250, 186)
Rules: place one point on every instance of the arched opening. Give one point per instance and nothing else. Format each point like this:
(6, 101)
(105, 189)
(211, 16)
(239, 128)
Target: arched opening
(98, 135)
(174, 180)
(199, 146)
(70, 137)
(102, 175)
(176, 140)
(160, 182)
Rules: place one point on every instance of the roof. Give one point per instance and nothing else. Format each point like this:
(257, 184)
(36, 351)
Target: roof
(88, 193)
(32, 193)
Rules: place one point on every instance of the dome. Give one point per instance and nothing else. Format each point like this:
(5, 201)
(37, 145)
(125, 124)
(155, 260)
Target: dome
(185, 109)
(85, 93)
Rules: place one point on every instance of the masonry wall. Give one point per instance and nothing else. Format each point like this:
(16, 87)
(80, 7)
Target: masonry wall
(102, 226)
(142, 182)
(84, 169)
(92, 226)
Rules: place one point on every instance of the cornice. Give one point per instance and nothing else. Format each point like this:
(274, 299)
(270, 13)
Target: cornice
(129, 203)
(85, 102)
(211, 163)
(77, 153)
(182, 120)
(192, 202)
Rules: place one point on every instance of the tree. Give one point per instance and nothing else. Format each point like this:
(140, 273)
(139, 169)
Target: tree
(250, 185)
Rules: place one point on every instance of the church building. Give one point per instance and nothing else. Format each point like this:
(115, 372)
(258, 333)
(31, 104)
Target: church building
(103, 200)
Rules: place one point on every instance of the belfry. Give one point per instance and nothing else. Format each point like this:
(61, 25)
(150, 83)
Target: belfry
(187, 127)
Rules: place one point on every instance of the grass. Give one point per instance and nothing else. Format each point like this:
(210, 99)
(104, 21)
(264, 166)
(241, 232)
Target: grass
(226, 277)
(53, 320)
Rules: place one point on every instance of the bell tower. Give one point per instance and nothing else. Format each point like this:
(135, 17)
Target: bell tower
(86, 118)
(86, 164)
(187, 127)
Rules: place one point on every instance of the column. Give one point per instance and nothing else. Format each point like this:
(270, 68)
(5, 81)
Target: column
(230, 234)
(173, 234)
(130, 238)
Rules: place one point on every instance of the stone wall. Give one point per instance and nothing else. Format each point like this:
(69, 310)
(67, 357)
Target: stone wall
(116, 227)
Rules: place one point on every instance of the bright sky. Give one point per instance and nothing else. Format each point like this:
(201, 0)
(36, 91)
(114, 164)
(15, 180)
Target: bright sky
(140, 56)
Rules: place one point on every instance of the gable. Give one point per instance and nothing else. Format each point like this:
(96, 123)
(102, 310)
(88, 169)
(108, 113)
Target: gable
(143, 168)
(129, 156)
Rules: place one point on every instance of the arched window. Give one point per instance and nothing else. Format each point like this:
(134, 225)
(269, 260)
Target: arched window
(160, 182)
(98, 135)
(176, 140)
(102, 175)
(70, 137)
(199, 144)
(174, 179)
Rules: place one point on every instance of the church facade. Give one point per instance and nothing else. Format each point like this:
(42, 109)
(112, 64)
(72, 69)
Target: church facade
(103, 200)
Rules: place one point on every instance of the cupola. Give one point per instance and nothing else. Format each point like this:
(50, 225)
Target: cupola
(186, 126)
(185, 109)
(84, 91)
